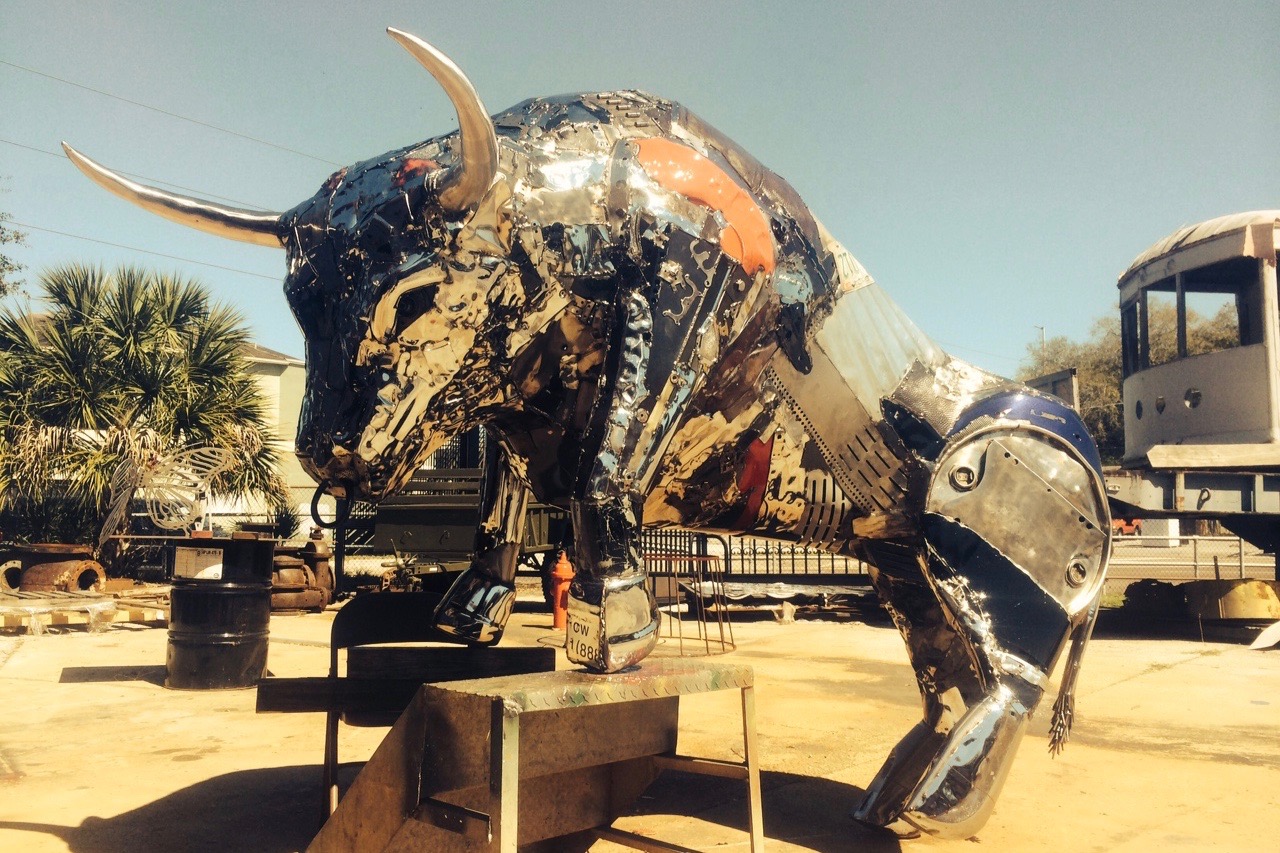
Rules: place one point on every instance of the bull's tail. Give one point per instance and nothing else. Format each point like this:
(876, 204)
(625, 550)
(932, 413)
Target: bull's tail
(1064, 708)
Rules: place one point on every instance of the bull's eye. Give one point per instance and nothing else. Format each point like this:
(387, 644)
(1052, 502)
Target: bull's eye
(412, 305)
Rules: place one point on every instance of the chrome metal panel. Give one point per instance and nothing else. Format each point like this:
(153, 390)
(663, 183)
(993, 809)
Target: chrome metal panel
(1062, 545)
(870, 473)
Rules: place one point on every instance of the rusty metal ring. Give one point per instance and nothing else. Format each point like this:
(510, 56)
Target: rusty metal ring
(342, 507)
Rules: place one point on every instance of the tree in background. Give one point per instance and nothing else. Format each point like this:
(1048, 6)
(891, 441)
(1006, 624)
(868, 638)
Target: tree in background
(123, 363)
(1097, 362)
(9, 268)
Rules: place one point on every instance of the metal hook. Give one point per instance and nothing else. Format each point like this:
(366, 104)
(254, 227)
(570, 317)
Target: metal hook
(342, 509)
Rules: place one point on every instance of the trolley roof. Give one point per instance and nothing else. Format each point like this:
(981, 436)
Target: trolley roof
(1251, 234)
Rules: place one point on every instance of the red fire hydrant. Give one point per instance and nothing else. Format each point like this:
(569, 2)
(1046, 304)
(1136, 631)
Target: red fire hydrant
(561, 575)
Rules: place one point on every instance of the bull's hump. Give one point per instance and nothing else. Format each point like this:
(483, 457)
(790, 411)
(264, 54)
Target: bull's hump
(746, 237)
(625, 112)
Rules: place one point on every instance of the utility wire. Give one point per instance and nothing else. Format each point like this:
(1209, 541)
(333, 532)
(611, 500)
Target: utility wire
(143, 251)
(979, 352)
(149, 180)
(167, 113)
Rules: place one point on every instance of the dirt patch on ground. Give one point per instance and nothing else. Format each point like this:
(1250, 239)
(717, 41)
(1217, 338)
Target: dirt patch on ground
(1176, 746)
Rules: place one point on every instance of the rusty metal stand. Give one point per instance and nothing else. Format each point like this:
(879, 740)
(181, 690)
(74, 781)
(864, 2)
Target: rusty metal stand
(695, 585)
(511, 763)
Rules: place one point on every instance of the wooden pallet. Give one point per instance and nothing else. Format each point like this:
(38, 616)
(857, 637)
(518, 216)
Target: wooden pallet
(36, 611)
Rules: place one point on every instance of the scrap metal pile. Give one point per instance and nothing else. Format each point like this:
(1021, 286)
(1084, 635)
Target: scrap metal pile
(656, 330)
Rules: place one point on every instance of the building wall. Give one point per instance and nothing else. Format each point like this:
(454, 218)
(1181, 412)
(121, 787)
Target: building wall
(282, 383)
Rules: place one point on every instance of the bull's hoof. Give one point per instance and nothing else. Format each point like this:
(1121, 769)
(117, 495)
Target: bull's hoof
(475, 609)
(958, 793)
(612, 624)
(898, 779)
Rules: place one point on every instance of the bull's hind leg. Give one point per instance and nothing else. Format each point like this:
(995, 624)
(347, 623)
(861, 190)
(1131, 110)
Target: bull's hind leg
(1015, 534)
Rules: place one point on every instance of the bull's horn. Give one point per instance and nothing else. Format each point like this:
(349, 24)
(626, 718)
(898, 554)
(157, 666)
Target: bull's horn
(249, 226)
(467, 183)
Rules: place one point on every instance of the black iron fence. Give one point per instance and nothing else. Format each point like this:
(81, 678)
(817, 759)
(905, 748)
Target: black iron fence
(748, 559)
(771, 559)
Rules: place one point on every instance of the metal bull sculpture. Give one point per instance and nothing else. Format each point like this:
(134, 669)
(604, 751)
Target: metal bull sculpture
(657, 331)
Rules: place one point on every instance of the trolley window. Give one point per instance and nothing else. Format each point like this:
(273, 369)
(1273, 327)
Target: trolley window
(1200, 311)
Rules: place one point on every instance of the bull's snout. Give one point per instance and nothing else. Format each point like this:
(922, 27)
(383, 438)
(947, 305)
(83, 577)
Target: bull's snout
(330, 457)
(337, 472)
(332, 461)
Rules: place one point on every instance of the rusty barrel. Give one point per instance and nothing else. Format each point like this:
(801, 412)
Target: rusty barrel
(220, 614)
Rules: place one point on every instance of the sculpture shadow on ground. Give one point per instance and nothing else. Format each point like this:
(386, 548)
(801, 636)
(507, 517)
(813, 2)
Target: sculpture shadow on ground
(275, 809)
(805, 811)
(271, 810)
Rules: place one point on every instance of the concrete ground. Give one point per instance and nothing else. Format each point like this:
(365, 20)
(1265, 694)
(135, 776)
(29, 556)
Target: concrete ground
(1176, 747)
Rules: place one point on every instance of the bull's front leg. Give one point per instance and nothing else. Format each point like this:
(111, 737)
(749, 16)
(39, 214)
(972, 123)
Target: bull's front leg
(612, 615)
(477, 606)
(612, 618)
(1015, 537)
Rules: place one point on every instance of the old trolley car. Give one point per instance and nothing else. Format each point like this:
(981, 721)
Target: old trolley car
(1200, 331)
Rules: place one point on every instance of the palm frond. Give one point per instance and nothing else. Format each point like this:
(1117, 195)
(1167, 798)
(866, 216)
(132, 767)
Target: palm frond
(124, 364)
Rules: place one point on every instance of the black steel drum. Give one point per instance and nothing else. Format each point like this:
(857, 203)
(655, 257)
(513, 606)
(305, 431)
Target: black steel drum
(220, 614)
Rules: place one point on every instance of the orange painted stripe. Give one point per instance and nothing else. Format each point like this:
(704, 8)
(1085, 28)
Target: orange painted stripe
(746, 237)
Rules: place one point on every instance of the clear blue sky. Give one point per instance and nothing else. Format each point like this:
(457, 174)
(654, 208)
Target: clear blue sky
(994, 165)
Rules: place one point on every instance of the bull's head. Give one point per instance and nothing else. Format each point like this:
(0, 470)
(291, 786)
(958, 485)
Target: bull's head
(401, 279)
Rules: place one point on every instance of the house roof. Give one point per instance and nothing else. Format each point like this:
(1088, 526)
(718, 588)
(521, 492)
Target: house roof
(259, 353)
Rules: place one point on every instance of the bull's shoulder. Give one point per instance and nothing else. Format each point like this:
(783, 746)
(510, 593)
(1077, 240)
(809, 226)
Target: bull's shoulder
(592, 124)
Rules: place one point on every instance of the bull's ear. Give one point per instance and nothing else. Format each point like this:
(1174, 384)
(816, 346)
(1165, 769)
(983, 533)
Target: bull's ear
(261, 228)
(466, 183)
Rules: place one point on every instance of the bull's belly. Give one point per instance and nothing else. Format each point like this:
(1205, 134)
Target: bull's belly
(817, 476)
(809, 457)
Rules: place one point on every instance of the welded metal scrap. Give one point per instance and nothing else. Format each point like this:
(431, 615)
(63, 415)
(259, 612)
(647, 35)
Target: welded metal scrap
(656, 330)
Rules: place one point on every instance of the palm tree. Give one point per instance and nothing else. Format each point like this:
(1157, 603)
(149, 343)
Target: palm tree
(127, 363)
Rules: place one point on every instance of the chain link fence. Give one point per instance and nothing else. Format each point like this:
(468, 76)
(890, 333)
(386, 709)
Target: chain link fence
(1180, 558)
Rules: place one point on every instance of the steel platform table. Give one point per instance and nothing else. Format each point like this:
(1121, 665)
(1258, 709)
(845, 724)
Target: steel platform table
(531, 763)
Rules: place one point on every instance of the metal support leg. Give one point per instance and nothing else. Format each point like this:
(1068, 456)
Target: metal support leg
(343, 509)
(330, 783)
(504, 778)
(750, 754)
